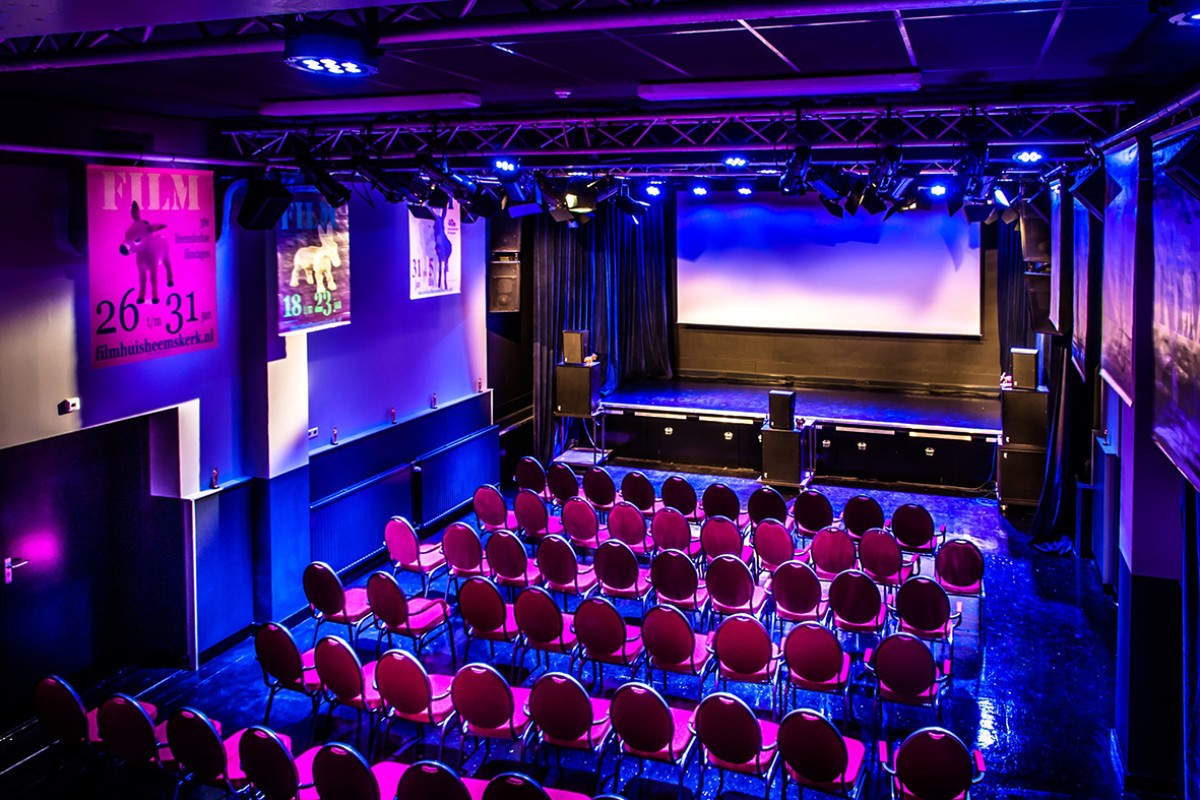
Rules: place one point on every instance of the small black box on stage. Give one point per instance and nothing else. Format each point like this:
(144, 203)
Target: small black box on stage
(1020, 473)
(1024, 368)
(575, 346)
(782, 410)
(781, 456)
(1025, 417)
(577, 389)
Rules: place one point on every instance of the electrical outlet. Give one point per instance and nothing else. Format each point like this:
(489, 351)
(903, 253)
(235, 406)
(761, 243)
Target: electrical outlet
(313, 432)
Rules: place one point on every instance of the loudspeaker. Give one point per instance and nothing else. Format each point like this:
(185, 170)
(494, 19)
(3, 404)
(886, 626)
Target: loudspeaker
(1020, 473)
(1025, 417)
(1037, 300)
(781, 456)
(1024, 368)
(1184, 168)
(782, 407)
(1035, 234)
(575, 346)
(505, 234)
(504, 286)
(576, 389)
(264, 204)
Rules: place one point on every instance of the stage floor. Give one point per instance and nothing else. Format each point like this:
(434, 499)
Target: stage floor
(850, 405)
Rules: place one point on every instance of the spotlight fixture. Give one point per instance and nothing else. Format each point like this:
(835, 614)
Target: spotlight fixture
(954, 198)
(1186, 18)
(1001, 197)
(769, 171)
(459, 185)
(505, 167)
(699, 191)
(653, 190)
(392, 190)
(634, 208)
(745, 190)
(795, 172)
(330, 188)
(887, 169)
(977, 212)
(832, 207)
(328, 48)
(829, 181)
(735, 161)
(1028, 156)
(855, 197)
(872, 203)
(938, 190)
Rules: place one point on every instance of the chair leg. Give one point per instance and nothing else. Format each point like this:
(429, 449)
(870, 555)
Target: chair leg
(270, 700)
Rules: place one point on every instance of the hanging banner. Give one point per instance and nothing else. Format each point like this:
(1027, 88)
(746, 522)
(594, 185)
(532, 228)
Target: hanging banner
(312, 252)
(152, 266)
(435, 255)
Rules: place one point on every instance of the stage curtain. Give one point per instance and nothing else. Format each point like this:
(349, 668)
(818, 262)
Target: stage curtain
(609, 277)
(1013, 313)
(1053, 527)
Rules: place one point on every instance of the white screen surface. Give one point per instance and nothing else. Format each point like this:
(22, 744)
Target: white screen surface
(775, 262)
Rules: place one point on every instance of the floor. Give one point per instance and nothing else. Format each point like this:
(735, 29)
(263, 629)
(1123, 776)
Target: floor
(1038, 702)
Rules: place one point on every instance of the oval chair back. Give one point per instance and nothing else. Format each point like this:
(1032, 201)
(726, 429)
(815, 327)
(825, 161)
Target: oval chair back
(60, 710)
(637, 490)
(879, 556)
(507, 559)
(719, 536)
(340, 771)
(401, 541)
(530, 474)
(598, 487)
(481, 606)
(340, 669)
(462, 547)
(670, 530)
(855, 599)
(268, 764)
(742, 645)
(772, 544)
(730, 585)
(430, 779)
(832, 552)
(796, 589)
(491, 509)
(719, 500)
(934, 764)
(562, 482)
(514, 786)
(811, 747)
(482, 697)
(387, 601)
(674, 577)
(627, 523)
(813, 653)
(600, 627)
(403, 683)
(959, 567)
(532, 516)
(539, 618)
(560, 707)
(581, 522)
(616, 568)
(913, 526)
(556, 560)
(905, 666)
(196, 745)
(324, 589)
(860, 514)
(127, 731)
(812, 512)
(766, 503)
(678, 494)
(728, 728)
(922, 604)
(642, 720)
(668, 635)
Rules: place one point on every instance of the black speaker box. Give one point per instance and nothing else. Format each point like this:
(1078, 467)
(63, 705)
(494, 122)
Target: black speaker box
(1037, 300)
(782, 407)
(1020, 473)
(577, 389)
(505, 234)
(504, 286)
(1024, 368)
(575, 346)
(1025, 417)
(264, 204)
(1035, 234)
(781, 456)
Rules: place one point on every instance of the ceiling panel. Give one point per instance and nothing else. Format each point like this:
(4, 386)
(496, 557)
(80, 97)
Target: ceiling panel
(868, 46)
(720, 53)
(979, 41)
(1126, 41)
(601, 58)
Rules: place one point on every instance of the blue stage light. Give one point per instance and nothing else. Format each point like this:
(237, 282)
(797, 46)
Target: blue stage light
(938, 190)
(745, 191)
(328, 48)
(735, 161)
(504, 165)
(653, 190)
(699, 191)
(1029, 156)
(1001, 197)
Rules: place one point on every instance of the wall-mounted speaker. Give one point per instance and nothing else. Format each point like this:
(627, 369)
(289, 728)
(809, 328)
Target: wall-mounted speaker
(1035, 234)
(504, 285)
(1184, 168)
(264, 204)
(504, 234)
(1037, 300)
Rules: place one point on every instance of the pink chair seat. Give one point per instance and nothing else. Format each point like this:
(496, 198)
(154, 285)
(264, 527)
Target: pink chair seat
(355, 608)
(425, 615)
(700, 655)
(585, 581)
(304, 773)
(758, 599)
(973, 589)
(635, 592)
(387, 775)
(470, 572)
(151, 712)
(838, 680)
(510, 523)
(682, 738)
(762, 761)
(764, 675)
(370, 699)
(441, 704)
(630, 649)
(517, 723)
(531, 577)
(430, 558)
(692, 603)
(476, 786)
(595, 734)
(507, 632)
(903, 793)
(566, 642)
(554, 527)
(816, 614)
(563, 794)
(870, 625)
(855, 752)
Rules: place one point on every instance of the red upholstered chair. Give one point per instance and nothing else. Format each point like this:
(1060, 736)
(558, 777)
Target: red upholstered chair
(515, 786)
(923, 609)
(676, 583)
(605, 638)
(932, 764)
(561, 568)
(860, 514)
(879, 556)
(429, 779)
(464, 552)
(637, 490)
(203, 757)
(129, 736)
(745, 654)
(284, 666)
(544, 628)
(670, 531)
(582, 524)
(565, 717)
(562, 482)
(419, 618)
(816, 756)
(905, 672)
(649, 729)
(797, 594)
(340, 771)
(678, 494)
(329, 601)
(492, 511)
(599, 489)
(831, 553)
(63, 716)
(627, 523)
(486, 616)
(767, 503)
(732, 589)
(531, 475)
(272, 770)
(533, 518)
(772, 545)
(413, 695)
(816, 662)
(509, 564)
(348, 682)
(812, 512)
(914, 529)
(619, 574)
(672, 646)
(733, 739)
(958, 567)
(856, 603)
(719, 500)
(407, 553)
(721, 536)
(487, 707)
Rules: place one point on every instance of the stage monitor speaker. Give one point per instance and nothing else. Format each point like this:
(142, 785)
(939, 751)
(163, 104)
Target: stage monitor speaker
(781, 456)
(263, 205)
(1020, 474)
(1024, 368)
(782, 407)
(505, 234)
(1035, 234)
(1025, 417)
(504, 286)
(1037, 300)
(575, 346)
(577, 389)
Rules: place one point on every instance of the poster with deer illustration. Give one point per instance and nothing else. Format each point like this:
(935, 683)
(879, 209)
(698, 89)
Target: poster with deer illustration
(435, 255)
(312, 249)
(152, 266)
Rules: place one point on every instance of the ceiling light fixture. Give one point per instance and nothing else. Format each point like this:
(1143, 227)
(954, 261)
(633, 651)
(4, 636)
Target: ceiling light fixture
(699, 191)
(795, 173)
(323, 47)
(392, 190)
(323, 181)
(735, 161)
(653, 190)
(938, 190)
(745, 190)
(1028, 156)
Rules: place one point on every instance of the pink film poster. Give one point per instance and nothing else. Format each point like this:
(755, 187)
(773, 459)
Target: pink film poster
(152, 265)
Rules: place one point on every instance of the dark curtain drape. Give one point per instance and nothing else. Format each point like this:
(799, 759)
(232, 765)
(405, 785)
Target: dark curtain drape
(1190, 509)
(609, 277)
(1013, 316)
(1054, 521)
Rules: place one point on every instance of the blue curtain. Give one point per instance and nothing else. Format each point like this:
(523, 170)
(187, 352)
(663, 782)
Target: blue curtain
(1013, 316)
(608, 277)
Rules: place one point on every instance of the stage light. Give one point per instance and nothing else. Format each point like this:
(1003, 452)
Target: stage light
(735, 161)
(872, 203)
(938, 190)
(855, 197)
(829, 181)
(1186, 18)
(578, 173)
(831, 206)
(653, 190)
(1001, 197)
(634, 208)
(795, 172)
(504, 166)
(328, 48)
(459, 185)
(745, 190)
(392, 190)
(1011, 214)
(1028, 156)
(330, 188)
(699, 191)
(977, 212)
